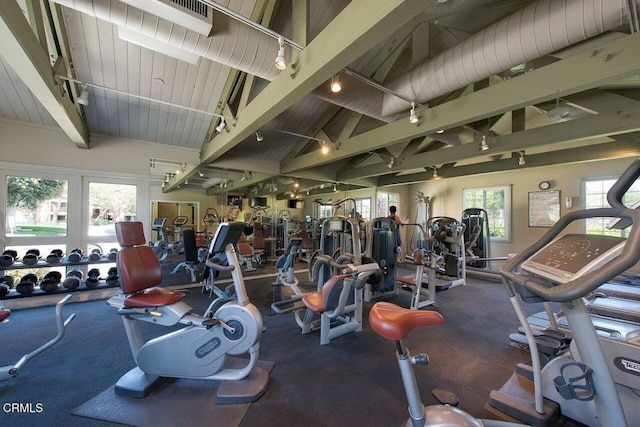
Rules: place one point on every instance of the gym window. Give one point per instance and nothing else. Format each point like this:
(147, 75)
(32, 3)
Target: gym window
(363, 207)
(36, 206)
(595, 196)
(497, 202)
(384, 200)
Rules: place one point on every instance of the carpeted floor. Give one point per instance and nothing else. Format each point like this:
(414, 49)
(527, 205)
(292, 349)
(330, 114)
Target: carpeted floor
(353, 381)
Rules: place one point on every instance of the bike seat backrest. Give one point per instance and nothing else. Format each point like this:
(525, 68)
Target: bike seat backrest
(226, 233)
(394, 323)
(138, 265)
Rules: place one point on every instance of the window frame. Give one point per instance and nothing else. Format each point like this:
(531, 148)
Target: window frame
(378, 213)
(77, 203)
(583, 195)
(508, 206)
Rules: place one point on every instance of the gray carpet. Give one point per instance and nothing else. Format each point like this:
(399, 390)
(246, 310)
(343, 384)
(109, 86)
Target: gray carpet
(176, 402)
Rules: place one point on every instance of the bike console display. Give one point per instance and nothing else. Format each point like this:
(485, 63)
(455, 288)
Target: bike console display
(572, 256)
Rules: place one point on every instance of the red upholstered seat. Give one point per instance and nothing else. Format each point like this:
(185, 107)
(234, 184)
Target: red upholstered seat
(154, 297)
(394, 323)
(4, 313)
(315, 301)
(408, 280)
(139, 269)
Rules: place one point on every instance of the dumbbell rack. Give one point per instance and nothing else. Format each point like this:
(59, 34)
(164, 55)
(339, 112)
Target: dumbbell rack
(37, 292)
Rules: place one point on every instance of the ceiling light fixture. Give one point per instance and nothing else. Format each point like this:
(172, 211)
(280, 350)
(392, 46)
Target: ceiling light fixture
(259, 136)
(413, 118)
(244, 177)
(200, 174)
(435, 172)
(186, 182)
(296, 184)
(484, 145)
(390, 164)
(335, 187)
(336, 86)
(281, 61)
(440, 131)
(221, 126)
(558, 113)
(521, 160)
(324, 149)
(84, 96)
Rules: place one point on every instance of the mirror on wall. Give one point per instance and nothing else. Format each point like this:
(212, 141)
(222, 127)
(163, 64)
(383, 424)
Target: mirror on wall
(184, 214)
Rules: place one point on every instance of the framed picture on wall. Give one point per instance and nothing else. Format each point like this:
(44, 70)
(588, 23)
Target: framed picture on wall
(544, 208)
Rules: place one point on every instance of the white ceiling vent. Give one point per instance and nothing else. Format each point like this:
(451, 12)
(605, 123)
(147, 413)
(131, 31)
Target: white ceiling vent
(189, 14)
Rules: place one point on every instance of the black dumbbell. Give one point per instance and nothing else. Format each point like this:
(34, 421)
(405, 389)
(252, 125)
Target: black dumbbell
(75, 255)
(31, 257)
(112, 277)
(6, 283)
(54, 257)
(93, 278)
(51, 281)
(95, 255)
(27, 284)
(113, 254)
(73, 280)
(8, 258)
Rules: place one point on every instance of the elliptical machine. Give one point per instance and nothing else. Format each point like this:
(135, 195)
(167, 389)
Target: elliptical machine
(596, 381)
(160, 246)
(202, 348)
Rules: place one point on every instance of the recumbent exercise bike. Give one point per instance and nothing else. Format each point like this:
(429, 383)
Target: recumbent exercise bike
(201, 349)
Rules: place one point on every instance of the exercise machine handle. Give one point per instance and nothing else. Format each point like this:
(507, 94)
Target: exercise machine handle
(622, 185)
(219, 267)
(580, 286)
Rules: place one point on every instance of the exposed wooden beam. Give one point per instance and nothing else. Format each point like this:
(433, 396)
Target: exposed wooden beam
(361, 25)
(613, 123)
(21, 49)
(613, 60)
(608, 150)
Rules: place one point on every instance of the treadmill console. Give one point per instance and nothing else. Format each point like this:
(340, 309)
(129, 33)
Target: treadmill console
(572, 256)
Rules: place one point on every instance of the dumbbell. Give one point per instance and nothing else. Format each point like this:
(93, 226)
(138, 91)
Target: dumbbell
(54, 257)
(95, 255)
(73, 280)
(8, 258)
(31, 257)
(112, 277)
(51, 281)
(113, 254)
(75, 255)
(6, 283)
(93, 278)
(27, 284)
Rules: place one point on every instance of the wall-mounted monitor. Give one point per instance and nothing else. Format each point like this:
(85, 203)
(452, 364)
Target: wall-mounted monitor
(295, 204)
(234, 200)
(259, 201)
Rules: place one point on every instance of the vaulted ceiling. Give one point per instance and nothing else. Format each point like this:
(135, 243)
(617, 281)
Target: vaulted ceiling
(492, 81)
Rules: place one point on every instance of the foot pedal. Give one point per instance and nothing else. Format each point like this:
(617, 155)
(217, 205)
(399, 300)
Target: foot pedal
(445, 397)
(551, 333)
(546, 345)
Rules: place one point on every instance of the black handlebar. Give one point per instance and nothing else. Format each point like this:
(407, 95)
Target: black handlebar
(580, 286)
(622, 185)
